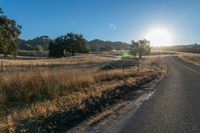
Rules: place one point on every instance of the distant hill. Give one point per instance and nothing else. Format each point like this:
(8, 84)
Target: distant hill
(35, 43)
(194, 48)
(41, 44)
(100, 45)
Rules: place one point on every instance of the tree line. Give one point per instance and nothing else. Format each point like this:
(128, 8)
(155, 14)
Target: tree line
(72, 43)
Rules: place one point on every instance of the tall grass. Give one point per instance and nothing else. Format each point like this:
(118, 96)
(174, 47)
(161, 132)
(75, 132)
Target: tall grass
(36, 94)
(32, 86)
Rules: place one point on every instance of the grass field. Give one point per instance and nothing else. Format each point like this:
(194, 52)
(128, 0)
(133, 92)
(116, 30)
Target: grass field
(35, 90)
(192, 58)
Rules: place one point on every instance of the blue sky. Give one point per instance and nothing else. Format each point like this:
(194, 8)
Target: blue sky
(116, 20)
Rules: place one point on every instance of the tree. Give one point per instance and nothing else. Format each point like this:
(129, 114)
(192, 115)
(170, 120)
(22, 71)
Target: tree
(38, 48)
(55, 49)
(75, 43)
(140, 48)
(68, 44)
(9, 35)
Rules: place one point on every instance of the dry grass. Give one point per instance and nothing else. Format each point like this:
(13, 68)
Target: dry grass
(192, 58)
(76, 60)
(38, 94)
(31, 86)
(101, 116)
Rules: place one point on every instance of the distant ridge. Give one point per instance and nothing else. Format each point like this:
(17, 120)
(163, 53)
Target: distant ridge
(97, 45)
(193, 48)
(41, 40)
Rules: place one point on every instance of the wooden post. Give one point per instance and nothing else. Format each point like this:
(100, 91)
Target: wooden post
(142, 63)
(138, 65)
(123, 70)
(123, 73)
(2, 66)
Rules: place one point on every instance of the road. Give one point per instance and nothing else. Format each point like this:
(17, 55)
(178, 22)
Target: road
(174, 107)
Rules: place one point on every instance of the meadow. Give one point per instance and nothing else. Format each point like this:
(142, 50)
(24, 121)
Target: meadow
(36, 91)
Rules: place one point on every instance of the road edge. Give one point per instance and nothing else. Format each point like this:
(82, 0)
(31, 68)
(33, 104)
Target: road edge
(116, 114)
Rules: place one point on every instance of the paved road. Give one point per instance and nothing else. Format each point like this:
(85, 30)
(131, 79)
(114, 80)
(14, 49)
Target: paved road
(174, 107)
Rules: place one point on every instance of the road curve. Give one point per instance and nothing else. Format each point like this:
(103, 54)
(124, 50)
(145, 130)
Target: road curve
(174, 107)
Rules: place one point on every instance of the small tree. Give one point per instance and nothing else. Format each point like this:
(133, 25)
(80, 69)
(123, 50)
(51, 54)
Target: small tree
(140, 48)
(9, 35)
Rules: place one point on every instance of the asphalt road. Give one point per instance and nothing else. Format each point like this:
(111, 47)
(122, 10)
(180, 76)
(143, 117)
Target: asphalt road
(174, 107)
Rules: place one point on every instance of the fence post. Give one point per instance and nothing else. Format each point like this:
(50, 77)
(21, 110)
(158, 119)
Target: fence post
(123, 72)
(142, 63)
(138, 65)
(2, 66)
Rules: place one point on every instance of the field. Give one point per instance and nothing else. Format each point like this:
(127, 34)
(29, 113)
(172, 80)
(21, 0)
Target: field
(192, 58)
(36, 93)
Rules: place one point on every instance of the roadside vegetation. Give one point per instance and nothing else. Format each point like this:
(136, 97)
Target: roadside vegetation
(33, 96)
(192, 58)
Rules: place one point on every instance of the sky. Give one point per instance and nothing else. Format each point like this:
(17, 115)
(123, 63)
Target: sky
(115, 20)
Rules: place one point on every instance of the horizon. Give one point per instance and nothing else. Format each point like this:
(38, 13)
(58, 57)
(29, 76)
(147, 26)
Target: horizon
(118, 41)
(108, 20)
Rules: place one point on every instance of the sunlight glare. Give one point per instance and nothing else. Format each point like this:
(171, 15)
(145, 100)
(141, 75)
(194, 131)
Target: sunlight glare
(159, 37)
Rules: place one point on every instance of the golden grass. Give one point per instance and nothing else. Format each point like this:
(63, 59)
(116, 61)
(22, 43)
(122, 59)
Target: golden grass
(37, 94)
(192, 58)
(100, 117)
(31, 86)
(76, 60)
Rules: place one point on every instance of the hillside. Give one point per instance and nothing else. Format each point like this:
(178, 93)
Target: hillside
(194, 48)
(100, 45)
(96, 45)
(32, 44)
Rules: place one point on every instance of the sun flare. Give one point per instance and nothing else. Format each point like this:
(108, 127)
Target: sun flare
(159, 37)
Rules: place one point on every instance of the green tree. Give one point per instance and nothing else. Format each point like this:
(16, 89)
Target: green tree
(75, 43)
(140, 48)
(55, 48)
(38, 48)
(68, 44)
(52, 49)
(9, 35)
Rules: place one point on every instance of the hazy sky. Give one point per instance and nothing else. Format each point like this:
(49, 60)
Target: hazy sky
(122, 20)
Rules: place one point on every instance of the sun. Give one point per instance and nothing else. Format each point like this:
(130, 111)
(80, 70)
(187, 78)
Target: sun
(159, 37)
